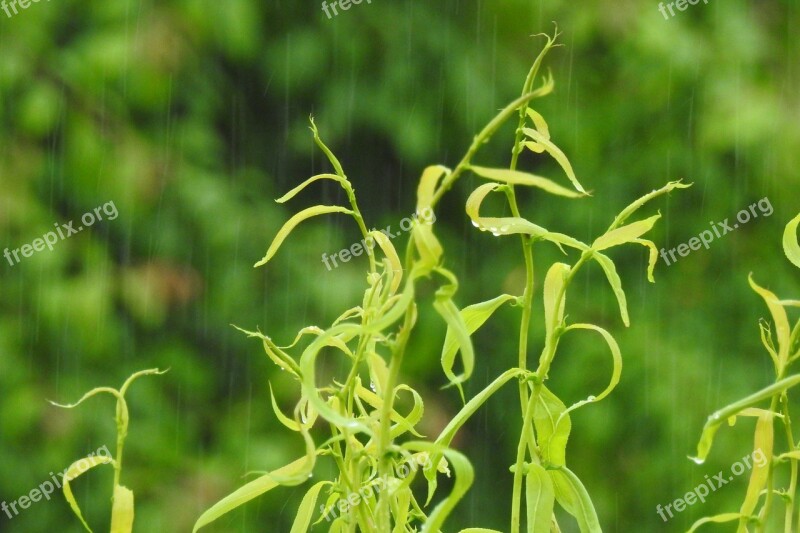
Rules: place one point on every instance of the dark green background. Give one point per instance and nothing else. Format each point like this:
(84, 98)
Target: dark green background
(191, 116)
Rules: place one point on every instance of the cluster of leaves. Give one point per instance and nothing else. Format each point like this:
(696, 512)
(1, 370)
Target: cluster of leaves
(784, 353)
(370, 435)
(122, 497)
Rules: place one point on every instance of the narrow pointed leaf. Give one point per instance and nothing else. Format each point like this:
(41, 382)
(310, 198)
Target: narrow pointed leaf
(625, 234)
(539, 498)
(790, 245)
(616, 284)
(616, 357)
(716, 519)
(427, 185)
(294, 221)
(556, 153)
(74, 471)
(473, 317)
(636, 204)
(122, 510)
(244, 494)
(515, 177)
(307, 508)
(758, 477)
(573, 497)
(717, 418)
(778, 313)
(291, 194)
(553, 426)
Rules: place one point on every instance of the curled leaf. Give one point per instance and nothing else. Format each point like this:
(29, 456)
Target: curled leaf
(294, 221)
(790, 245)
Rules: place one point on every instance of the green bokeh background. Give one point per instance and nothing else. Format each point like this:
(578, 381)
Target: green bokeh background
(191, 116)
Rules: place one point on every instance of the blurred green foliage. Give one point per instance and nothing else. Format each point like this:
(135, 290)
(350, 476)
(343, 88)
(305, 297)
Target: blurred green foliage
(192, 116)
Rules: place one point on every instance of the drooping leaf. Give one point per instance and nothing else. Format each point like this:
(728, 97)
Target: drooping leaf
(287, 228)
(249, 491)
(553, 292)
(291, 194)
(122, 510)
(636, 204)
(444, 305)
(427, 186)
(616, 357)
(511, 225)
(573, 497)
(779, 317)
(760, 473)
(717, 418)
(616, 284)
(515, 177)
(473, 317)
(73, 472)
(553, 426)
(391, 254)
(790, 245)
(716, 519)
(540, 141)
(463, 481)
(466, 412)
(625, 234)
(539, 498)
(307, 508)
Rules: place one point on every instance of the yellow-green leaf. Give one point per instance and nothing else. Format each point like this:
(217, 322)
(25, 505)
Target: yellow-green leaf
(391, 254)
(573, 497)
(427, 185)
(249, 491)
(541, 141)
(616, 284)
(294, 221)
(122, 510)
(625, 234)
(790, 245)
(778, 313)
(511, 225)
(515, 177)
(553, 426)
(291, 194)
(760, 473)
(463, 481)
(554, 291)
(717, 418)
(74, 471)
(636, 204)
(616, 357)
(306, 510)
(473, 317)
(539, 498)
(716, 519)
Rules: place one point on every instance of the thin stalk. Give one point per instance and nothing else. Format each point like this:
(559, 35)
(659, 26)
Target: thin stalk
(770, 478)
(787, 423)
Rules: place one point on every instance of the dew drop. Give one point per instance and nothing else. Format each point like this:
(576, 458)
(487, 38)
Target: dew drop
(591, 398)
(474, 223)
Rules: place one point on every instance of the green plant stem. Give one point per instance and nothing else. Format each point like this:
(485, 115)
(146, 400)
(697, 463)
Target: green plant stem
(773, 405)
(480, 139)
(787, 423)
(385, 437)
